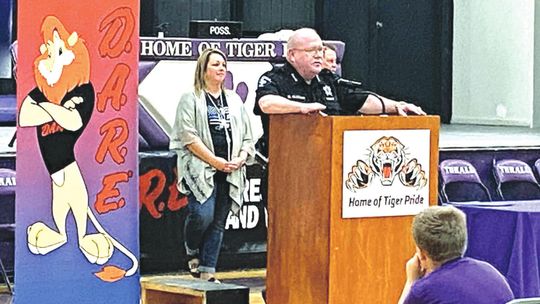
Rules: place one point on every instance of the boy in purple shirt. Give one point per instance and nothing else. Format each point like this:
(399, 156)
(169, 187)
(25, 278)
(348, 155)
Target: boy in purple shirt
(438, 272)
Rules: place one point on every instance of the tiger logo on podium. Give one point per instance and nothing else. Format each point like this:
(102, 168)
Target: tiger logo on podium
(387, 159)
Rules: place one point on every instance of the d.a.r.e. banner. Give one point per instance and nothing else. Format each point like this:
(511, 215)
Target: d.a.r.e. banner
(77, 194)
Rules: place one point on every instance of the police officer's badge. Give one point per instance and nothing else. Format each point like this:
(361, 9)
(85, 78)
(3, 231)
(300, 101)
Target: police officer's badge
(327, 90)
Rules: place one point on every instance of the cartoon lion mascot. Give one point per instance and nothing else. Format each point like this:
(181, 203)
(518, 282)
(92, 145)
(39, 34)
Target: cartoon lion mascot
(60, 108)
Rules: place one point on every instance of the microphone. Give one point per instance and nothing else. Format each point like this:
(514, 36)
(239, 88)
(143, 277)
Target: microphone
(350, 83)
(340, 81)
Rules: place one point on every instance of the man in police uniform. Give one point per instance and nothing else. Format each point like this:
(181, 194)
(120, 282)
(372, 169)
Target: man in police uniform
(300, 87)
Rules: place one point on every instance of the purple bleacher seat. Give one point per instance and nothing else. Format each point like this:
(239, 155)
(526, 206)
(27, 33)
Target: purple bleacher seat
(513, 170)
(7, 213)
(145, 67)
(537, 167)
(151, 132)
(515, 180)
(143, 144)
(7, 182)
(14, 50)
(7, 195)
(460, 182)
(151, 135)
(8, 109)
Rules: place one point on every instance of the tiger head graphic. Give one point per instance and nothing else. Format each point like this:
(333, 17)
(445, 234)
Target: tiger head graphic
(387, 157)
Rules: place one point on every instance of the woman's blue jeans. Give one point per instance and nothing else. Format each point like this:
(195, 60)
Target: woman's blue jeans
(205, 224)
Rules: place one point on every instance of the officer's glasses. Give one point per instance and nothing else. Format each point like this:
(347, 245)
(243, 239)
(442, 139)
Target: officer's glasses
(312, 50)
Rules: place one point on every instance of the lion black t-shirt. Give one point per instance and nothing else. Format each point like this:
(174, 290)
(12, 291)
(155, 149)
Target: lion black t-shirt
(56, 143)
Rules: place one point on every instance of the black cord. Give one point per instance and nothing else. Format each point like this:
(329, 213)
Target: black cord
(379, 98)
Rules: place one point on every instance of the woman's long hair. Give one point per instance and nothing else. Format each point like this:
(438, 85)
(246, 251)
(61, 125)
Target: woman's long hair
(200, 70)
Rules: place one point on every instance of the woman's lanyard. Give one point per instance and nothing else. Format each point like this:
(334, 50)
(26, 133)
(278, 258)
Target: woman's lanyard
(222, 121)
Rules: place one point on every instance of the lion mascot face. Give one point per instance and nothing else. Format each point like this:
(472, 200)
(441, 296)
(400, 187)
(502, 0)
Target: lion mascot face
(64, 62)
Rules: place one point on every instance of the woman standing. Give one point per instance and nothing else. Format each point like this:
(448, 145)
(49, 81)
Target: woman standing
(212, 138)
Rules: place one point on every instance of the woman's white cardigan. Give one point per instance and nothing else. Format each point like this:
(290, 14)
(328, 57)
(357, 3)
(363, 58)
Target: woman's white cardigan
(191, 124)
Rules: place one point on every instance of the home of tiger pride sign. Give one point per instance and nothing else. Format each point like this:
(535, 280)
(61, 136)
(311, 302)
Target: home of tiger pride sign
(385, 172)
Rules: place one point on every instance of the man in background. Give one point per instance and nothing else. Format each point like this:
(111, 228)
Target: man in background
(350, 104)
(330, 58)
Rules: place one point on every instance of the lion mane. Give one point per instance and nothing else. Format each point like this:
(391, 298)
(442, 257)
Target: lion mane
(74, 74)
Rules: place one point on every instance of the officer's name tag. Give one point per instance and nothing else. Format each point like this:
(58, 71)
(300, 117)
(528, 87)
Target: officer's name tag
(296, 97)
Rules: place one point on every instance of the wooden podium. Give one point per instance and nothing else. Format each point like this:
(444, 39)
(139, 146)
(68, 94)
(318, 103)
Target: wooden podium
(315, 255)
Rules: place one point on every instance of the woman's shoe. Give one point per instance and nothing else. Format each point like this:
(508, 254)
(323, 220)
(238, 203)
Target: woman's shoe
(193, 266)
(214, 280)
(209, 277)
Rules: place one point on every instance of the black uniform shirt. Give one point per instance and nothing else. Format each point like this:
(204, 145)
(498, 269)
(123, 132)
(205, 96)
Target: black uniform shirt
(286, 82)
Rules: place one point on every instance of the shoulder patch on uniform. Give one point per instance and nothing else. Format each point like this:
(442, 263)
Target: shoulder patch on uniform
(263, 81)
